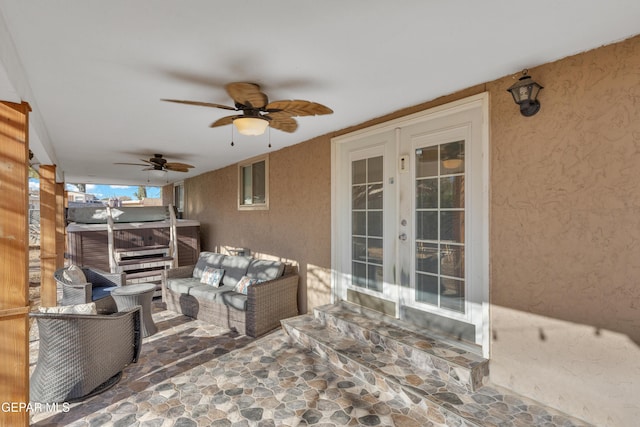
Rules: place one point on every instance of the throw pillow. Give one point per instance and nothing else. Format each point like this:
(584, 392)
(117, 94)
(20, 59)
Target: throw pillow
(74, 274)
(212, 276)
(88, 308)
(244, 283)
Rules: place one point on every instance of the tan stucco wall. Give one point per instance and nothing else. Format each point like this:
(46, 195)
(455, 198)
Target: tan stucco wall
(564, 240)
(565, 237)
(297, 226)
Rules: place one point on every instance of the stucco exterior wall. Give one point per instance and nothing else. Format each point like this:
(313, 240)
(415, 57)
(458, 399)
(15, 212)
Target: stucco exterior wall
(565, 237)
(297, 226)
(564, 230)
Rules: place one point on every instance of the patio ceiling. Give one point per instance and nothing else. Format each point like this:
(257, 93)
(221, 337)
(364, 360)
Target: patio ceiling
(94, 71)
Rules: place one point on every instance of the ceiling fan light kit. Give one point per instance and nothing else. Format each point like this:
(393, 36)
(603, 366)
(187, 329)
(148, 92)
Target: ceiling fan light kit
(257, 112)
(251, 125)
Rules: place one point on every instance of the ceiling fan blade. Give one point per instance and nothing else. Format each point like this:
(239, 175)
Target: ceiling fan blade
(227, 120)
(130, 164)
(177, 165)
(247, 94)
(282, 122)
(298, 107)
(175, 168)
(201, 104)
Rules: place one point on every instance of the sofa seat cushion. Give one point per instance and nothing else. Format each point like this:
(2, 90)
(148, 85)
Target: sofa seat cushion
(182, 286)
(222, 295)
(207, 259)
(264, 270)
(99, 292)
(235, 300)
(234, 268)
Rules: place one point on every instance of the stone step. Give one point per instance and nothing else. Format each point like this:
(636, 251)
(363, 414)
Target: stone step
(446, 360)
(442, 403)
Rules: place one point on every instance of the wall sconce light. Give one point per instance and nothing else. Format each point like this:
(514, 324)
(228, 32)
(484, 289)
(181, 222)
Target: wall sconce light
(525, 93)
(251, 125)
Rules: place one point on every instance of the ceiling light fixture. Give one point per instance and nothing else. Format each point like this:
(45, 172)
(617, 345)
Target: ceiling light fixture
(251, 125)
(525, 93)
(158, 173)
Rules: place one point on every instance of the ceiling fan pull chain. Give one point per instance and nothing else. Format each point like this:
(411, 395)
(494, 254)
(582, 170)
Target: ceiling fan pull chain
(269, 136)
(232, 144)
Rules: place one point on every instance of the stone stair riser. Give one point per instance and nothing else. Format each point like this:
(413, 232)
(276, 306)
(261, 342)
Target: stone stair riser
(472, 379)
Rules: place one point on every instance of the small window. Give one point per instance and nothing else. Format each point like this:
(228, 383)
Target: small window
(253, 184)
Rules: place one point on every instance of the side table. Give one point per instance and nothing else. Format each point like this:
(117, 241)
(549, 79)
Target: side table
(140, 294)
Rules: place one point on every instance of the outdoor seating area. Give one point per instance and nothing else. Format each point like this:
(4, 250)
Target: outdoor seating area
(250, 296)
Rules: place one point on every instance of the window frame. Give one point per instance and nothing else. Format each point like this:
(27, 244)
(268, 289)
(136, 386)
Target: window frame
(250, 162)
(179, 204)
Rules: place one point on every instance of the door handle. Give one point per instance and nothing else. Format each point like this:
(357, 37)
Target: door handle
(403, 236)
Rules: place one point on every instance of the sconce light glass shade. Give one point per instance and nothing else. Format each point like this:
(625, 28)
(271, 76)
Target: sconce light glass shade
(158, 173)
(525, 94)
(251, 125)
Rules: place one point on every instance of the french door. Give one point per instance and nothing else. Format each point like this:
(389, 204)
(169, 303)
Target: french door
(410, 224)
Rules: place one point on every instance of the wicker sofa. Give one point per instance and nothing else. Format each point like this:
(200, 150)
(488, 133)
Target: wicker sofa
(253, 314)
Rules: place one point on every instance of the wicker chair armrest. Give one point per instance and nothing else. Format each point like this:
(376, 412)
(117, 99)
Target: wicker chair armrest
(179, 272)
(269, 302)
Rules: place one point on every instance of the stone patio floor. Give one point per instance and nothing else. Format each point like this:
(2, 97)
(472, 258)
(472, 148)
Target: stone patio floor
(195, 374)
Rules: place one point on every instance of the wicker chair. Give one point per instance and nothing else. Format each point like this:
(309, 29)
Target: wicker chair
(82, 355)
(97, 289)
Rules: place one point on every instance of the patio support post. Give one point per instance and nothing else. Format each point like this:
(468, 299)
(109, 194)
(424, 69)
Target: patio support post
(14, 262)
(60, 225)
(48, 244)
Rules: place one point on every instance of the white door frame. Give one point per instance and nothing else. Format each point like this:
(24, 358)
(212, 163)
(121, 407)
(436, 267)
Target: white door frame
(341, 143)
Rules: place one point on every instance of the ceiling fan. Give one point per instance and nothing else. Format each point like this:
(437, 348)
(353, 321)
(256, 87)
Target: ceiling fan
(159, 163)
(257, 112)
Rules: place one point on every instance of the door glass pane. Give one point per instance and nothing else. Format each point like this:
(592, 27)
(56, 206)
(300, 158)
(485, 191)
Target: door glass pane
(367, 202)
(374, 196)
(374, 169)
(374, 278)
(452, 294)
(359, 172)
(359, 197)
(374, 227)
(427, 162)
(427, 257)
(359, 223)
(452, 226)
(359, 249)
(427, 289)
(427, 193)
(374, 250)
(359, 274)
(452, 192)
(427, 225)
(452, 260)
(452, 158)
(439, 226)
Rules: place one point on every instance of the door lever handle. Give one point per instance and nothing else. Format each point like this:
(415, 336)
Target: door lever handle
(403, 236)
